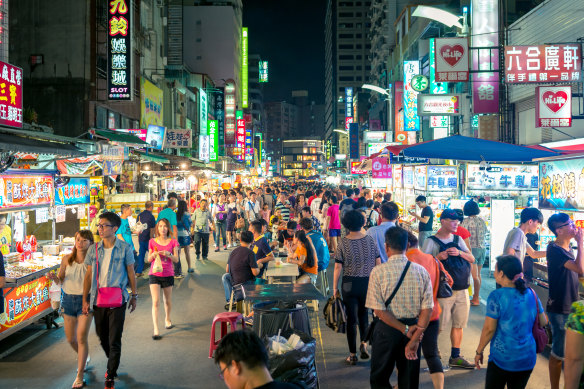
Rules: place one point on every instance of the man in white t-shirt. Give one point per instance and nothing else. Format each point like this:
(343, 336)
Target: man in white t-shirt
(516, 242)
(315, 204)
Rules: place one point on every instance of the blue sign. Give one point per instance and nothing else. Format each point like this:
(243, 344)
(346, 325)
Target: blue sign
(75, 192)
(354, 141)
(156, 136)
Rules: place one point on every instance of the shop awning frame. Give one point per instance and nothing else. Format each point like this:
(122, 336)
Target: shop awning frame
(15, 143)
(120, 137)
(151, 157)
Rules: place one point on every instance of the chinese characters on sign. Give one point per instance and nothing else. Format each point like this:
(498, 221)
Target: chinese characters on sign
(354, 141)
(220, 116)
(400, 134)
(150, 104)
(213, 139)
(451, 59)
(553, 106)
(179, 139)
(25, 302)
(244, 68)
(10, 95)
(420, 175)
(354, 168)
(248, 149)
(442, 178)
(561, 185)
(502, 177)
(410, 96)
(438, 104)
(240, 139)
(229, 113)
(204, 148)
(543, 63)
(26, 191)
(263, 71)
(76, 191)
(203, 111)
(380, 168)
(119, 50)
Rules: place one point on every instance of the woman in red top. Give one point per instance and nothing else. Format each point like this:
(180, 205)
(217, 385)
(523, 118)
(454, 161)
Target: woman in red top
(461, 231)
(166, 248)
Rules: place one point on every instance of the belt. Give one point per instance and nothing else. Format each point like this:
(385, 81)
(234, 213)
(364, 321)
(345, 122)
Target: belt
(409, 322)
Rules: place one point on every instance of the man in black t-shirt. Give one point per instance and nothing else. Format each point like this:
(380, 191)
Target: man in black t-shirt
(426, 219)
(241, 268)
(260, 247)
(286, 235)
(147, 219)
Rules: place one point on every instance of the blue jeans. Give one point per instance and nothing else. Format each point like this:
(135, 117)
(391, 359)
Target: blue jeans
(226, 280)
(558, 323)
(139, 268)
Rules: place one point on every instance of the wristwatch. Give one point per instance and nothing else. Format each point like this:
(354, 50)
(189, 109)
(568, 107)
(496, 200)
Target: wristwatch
(407, 330)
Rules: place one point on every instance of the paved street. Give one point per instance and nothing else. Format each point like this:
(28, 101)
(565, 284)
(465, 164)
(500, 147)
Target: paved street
(180, 359)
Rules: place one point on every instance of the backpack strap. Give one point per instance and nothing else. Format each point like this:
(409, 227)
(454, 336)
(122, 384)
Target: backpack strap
(439, 242)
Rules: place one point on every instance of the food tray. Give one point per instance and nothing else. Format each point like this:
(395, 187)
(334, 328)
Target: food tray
(13, 282)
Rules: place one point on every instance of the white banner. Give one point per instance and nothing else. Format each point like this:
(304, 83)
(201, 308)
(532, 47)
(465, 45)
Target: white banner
(204, 148)
(553, 107)
(452, 59)
(179, 139)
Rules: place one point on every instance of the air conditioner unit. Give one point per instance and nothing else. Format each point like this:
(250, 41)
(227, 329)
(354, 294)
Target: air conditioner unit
(165, 61)
(164, 21)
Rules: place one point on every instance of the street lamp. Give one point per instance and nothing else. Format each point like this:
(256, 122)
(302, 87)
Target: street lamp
(385, 92)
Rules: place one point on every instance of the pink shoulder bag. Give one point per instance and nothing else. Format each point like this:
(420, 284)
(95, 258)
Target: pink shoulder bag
(107, 297)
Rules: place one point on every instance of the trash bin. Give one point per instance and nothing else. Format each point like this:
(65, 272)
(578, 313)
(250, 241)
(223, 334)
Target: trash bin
(269, 317)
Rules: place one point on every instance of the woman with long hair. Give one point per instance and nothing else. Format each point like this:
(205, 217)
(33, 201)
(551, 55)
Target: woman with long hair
(183, 224)
(71, 275)
(304, 257)
(165, 248)
(511, 313)
(300, 203)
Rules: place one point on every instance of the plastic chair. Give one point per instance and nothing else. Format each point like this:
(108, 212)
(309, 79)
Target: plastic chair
(224, 318)
(242, 305)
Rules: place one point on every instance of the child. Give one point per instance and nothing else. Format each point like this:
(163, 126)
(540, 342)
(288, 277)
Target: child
(265, 213)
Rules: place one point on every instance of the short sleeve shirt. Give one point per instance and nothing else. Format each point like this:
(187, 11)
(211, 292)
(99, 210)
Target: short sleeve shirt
(357, 256)
(167, 265)
(478, 231)
(427, 211)
(333, 213)
(126, 232)
(241, 261)
(147, 218)
(168, 214)
(513, 345)
(261, 249)
(516, 240)
(563, 282)
(462, 232)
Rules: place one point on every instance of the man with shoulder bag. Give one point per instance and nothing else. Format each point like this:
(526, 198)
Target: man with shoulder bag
(400, 294)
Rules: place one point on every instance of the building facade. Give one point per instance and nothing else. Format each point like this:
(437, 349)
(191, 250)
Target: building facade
(301, 157)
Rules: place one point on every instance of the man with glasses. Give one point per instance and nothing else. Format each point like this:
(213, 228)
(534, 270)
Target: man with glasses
(563, 271)
(243, 361)
(116, 270)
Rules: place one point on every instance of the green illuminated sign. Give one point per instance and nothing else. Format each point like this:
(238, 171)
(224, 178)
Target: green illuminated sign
(263, 71)
(244, 68)
(436, 88)
(238, 114)
(213, 139)
(419, 83)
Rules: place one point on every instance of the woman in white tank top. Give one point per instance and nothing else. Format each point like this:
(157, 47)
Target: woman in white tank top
(70, 276)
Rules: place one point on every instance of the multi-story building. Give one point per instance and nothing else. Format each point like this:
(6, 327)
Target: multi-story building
(281, 124)
(301, 157)
(347, 48)
(310, 115)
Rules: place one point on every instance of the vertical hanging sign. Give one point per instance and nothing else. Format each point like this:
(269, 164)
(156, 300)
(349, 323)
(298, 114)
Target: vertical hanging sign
(485, 34)
(119, 51)
(411, 118)
(220, 116)
(354, 140)
(348, 107)
(229, 113)
(244, 68)
(400, 134)
(213, 139)
(438, 88)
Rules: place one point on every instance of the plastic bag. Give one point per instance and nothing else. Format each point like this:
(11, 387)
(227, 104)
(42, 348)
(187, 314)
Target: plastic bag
(157, 264)
(55, 295)
(297, 365)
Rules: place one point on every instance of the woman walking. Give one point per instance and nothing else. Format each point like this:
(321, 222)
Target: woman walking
(231, 219)
(70, 275)
(304, 257)
(220, 216)
(478, 232)
(355, 258)
(511, 313)
(164, 249)
(183, 225)
(333, 223)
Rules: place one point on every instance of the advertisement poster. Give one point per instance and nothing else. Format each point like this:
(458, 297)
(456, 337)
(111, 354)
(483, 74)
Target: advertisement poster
(179, 139)
(410, 97)
(408, 177)
(112, 168)
(140, 133)
(10, 95)
(374, 136)
(442, 178)
(354, 141)
(438, 105)
(25, 302)
(60, 213)
(156, 137)
(420, 173)
(561, 185)
(397, 176)
(119, 50)
(400, 134)
(380, 168)
(151, 106)
(41, 215)
(553, 106)
(76, 191)
(354, 168)
(26, 190)
(451, 59)
(373, 148)
(502, 177)
(543, 63)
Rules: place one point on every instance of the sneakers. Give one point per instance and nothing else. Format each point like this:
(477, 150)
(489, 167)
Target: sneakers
(224, 247)
(191, 270)
(205, 259)
(109, 383)
(179, 276)
(229, 246)
(460, 363)
(217, 249)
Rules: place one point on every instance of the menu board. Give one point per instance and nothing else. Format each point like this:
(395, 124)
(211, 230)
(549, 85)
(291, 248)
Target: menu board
(420, 177)
(76, 191)
(561, 185)
(24, 190)
(408, 177)
(502, 177)
(442, 178)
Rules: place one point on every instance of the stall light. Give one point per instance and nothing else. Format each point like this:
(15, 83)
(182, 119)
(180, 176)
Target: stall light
(147, 167)
(183, 166)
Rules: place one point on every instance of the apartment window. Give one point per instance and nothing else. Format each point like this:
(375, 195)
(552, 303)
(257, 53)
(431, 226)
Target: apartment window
(359, 36)
(346, 67)
(359, 56)
(359, 25)
(358, 14)
(367, 67)
(346, 14)
(368, 46)
(346, 47)
(345, 78)
(342, 89)
(341, 111)
(358, 46)
(367, 25)
(346, 25)
(345, 57)
(358, 67)
(345, 36)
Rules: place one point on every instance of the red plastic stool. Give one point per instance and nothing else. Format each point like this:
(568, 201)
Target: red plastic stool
(224, 318)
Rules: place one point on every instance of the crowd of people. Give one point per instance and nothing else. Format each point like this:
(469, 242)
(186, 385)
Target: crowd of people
(415, 281)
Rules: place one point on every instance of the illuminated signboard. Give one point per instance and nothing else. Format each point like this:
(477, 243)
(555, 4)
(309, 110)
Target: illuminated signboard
(354, 141)
(373, 148)
(410, 96)
(10, 95)
(119, 50)
(76, 191)
(349, 103)
(543, 63)
(213, 139)
(485, 34)
(354, 168)
(240, 136)
(204, 148)
(380, 168)
(439, 104)
(244, 68)
(451, 59)
(140, 133)
(420, 175)
(248, 149)
(374, 136)
(229, 113)
(220, 128)
(561, 185)
(26, 190)
(203, 111)
(501, 177)
(156, 137)
(263, 65)
(25, 303)
(179, 139)
(439, 121)
(151, 106)
(400, 134)
(437, 88)
(442, 178)
(553, 106)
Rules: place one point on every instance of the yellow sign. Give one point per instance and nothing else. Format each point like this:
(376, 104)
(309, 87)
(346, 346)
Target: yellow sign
(151, 107)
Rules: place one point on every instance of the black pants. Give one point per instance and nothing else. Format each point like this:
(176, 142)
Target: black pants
(202, 237)
(497, 378)
(354, 295)
(388, 351)
(109, 325)
(430, 347)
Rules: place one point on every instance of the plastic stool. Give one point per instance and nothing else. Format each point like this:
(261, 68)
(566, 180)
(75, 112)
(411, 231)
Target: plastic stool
(224, 318)
(324, 285)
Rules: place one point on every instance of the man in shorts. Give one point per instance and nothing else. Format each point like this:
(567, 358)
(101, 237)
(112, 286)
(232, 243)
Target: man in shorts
(451, 250)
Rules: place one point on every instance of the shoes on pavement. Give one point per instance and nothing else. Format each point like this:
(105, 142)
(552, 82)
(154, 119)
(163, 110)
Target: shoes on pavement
(191, 270)
(229, 246)
(351, 360)
(460, 363)
(179, 276)
(109, 383)
(363, 351)
(205, 259)
(156, 337)
(216, 249)
(224, 247)
(198, 257)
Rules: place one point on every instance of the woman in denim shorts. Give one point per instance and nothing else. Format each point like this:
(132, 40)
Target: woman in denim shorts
(70, 276)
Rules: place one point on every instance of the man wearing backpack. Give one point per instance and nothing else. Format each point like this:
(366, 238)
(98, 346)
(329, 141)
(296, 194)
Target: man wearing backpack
(252, 207)
(456, 258)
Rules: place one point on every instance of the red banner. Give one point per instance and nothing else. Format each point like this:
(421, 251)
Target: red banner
(24, 302)
(354, 166)
(543, 63)
(26, 190)
(10, 95)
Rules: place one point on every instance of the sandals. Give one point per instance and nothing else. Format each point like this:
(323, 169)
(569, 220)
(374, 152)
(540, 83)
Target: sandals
(351, 360)
(156, 337)
(77, 384)
(363, 351)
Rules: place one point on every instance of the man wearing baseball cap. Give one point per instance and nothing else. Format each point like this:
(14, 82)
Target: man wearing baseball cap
(456, 258)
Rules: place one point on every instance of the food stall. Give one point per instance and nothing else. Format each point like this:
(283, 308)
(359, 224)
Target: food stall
(26, 200)
(71, 205)
(439, 183)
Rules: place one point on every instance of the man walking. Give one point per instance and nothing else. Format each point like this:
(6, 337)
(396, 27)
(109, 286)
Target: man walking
(110, 264)
(169, 214)
(284, 206)
(400, 293)
(426, 219)
(252, 207)
(148, 223)
(202, 219)
(451, 250)
(389, 214)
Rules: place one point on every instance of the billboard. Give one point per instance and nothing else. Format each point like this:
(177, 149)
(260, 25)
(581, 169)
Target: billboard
(410, 97)
(451, 59)
(354, 140)
(119, 50)
(244, 68)
(263, 65)
(561, 185)
(76, 191)
(439, 105)
(374, 136)
(156, 137)
(26, 190)
(380, 168)
(349, 102)
(151, 107)
(10, 95)
(179, 139)
(213, 132)
(229, 112)
(501, 177)
(553, 106)
(543, 63)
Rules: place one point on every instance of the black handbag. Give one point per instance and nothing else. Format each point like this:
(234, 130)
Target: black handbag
(371, 327)
(444, 289)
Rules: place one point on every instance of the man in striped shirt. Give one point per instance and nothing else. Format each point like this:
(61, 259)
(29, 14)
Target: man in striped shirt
(284, 206)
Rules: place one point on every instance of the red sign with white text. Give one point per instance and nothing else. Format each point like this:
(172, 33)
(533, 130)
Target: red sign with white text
(240, 138)
(26, 190)
(543, 64)
(380, 168)
(553, 107)
(25, 302)
(354, 166)
(10, 95)
(451, 59)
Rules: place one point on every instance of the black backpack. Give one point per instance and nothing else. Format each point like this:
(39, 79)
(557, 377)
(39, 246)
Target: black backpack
(456, 266)
(334, 315)
(369, 223)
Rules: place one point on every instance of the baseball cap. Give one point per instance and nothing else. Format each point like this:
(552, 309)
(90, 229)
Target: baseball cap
(449, 214)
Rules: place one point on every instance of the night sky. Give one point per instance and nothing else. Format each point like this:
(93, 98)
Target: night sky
(289, 34)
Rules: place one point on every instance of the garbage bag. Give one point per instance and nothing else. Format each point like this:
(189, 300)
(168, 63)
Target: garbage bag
(298, 365)
(270, 317)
